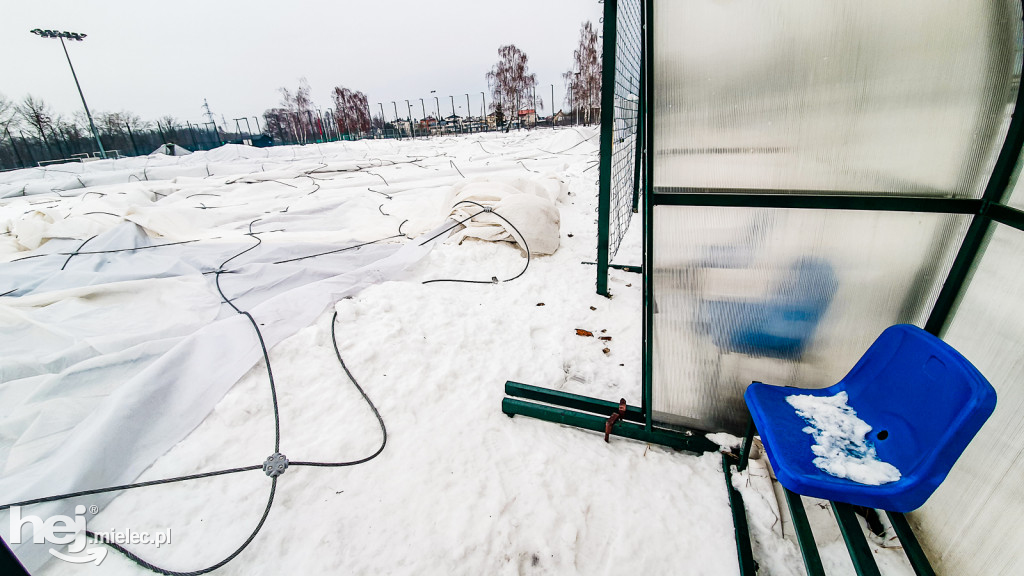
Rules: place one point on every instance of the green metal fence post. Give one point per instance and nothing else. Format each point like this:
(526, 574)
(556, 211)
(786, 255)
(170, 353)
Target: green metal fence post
(640, 121)
(604, 198)
(646, 17)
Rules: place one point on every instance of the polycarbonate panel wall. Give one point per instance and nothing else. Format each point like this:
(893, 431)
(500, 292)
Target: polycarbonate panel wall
(717, 271)
(884, 96)
(971, 525)
(1016, 198)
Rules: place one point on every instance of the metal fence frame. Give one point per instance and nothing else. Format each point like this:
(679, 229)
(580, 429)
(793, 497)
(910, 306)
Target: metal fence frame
(622, 129)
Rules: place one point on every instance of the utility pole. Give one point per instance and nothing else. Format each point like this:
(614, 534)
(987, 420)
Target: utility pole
(468, 113)
(483, 110)
(534, 106)
(423, 108)
(395, 104)
(132, 138)
(79, 37)
(412, 129)
(208, 114)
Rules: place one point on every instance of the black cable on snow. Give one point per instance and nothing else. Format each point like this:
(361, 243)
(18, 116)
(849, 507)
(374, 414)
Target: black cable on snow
(131, 486)
(380, 419)
(141, 562)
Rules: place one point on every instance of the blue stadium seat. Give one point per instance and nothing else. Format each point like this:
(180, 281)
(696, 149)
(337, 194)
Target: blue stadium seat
(780, 326)
(924, 401)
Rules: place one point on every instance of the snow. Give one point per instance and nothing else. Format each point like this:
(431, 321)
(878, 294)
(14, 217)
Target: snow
(841, 446)
(460, 488)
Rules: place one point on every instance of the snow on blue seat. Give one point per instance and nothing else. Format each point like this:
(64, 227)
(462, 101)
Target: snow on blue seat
(923, 400)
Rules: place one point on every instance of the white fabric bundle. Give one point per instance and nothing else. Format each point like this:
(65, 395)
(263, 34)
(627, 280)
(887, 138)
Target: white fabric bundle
(528, 203)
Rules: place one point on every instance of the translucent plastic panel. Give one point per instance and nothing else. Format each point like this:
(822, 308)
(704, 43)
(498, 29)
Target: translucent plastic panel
(883, 96)
(971, 525)
(781, 296)
(1016, 197)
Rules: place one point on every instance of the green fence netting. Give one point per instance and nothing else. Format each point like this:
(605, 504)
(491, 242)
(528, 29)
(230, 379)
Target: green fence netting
(620, 130)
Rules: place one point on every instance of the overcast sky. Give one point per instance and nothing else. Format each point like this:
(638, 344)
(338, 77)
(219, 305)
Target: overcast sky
(164, 58)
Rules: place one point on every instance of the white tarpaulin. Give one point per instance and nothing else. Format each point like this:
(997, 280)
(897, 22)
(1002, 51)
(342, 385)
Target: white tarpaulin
(529, 203)
(95, 383)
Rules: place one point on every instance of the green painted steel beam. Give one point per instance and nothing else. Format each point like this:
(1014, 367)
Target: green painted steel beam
(604, 194)
(647, 373)
(638, 150)
(571, 401)
(748, 442)
(744, 553)
(1006, 215)
(856, 543)
(918, 559)
(693, 442)
(804, 535)
(813, 199)
(996, 192)
(623, 267)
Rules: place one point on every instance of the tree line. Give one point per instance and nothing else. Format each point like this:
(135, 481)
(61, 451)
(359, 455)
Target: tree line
(45, 134)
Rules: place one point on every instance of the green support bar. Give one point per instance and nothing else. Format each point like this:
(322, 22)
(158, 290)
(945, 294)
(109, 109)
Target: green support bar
(996, 192)
(604, 199)
(748, 441)
(691, 442)
(804, 535)
(911, 546)
(571, 401)
(640, 119)
(739, 521)
(646, 402)
(1005, 215)
(756, 198)
(623, 267)
(856, 543)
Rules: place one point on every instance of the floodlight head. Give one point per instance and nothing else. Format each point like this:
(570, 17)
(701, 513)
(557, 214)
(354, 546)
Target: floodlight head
(58, 34)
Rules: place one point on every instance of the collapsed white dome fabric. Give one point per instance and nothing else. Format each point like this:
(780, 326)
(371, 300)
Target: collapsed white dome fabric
(111, 358)
(527, 202)
(165, 149)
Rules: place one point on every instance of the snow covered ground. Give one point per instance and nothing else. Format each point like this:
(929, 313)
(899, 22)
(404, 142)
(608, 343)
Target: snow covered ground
(460, 488)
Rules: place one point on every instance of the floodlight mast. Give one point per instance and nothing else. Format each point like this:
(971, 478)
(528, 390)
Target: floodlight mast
(74, 36)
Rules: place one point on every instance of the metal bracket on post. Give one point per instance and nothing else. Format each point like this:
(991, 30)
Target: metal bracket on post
(614, 418)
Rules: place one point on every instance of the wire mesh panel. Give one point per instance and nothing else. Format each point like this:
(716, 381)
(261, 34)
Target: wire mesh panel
(983, 489)
(782, 296)
(891, 97)
(621, 180)
(628, 45)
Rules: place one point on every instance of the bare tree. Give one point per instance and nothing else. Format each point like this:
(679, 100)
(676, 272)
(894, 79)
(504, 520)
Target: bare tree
(584, 79)
(351, 110)
(295, 114)
(37, 114)
(511, 83)
(8, 113)
(280, 122)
